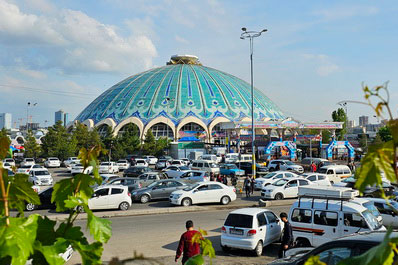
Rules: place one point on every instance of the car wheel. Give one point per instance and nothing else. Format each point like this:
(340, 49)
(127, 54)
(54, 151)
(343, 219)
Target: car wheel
(30, 206)
(225, 200)
(186, 202)
(279, 196)
(225, 248)
(302, 243)
(144, 198)
(124, 206)
(258, 251)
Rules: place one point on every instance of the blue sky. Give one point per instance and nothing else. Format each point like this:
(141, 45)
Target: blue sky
(63, 54)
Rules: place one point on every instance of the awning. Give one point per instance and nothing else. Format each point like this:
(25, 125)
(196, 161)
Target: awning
(189, 139)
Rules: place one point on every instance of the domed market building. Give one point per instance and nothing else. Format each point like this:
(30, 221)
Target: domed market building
(181, 100)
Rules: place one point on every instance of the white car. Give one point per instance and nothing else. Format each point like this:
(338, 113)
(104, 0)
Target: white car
(387, 212)
(71, 164)
(186, 161)
(110, 197)
(123, 164)
(52, 162)
(178, 162)
(285, 165)
(203, 192)
(27, 169)
(40, 176)
(260, 183)
(151, 160)
(28, 162)
(108, 168)
(78, 168)
(7, 166)
(251, 229)
(320, 179)
(71, 160)
(9, 161)
(284, 188)
(175, 171)
(139, 162)
(194, 176)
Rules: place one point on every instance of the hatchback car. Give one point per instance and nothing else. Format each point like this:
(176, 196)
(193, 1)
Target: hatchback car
(40, 176)
(160, 189)
(123, 164)
(175, 171)
(110, 197)
(140, 162)
(284, 188)
(135, 171)
(265, 180)
(250, 229)
(203, 192)
(52, 162)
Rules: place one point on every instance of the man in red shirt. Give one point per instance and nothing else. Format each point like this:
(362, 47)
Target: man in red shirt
(186, 246)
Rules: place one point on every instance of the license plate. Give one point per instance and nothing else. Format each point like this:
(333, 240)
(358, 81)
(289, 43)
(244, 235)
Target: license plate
(236, 232)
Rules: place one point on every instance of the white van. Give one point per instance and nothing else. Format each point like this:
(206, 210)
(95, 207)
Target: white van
(205, 165)
(231, 158)
(325, 213)
(244, 158)
(335, 173)
(212, 158)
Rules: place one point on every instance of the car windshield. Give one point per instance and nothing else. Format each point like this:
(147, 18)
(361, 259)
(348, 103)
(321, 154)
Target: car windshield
(371, 220)
(239, 220)
(269, 175)
(191, 187)
(372, 208)
(105, 164)
(280, 182)
(29, 160)
(41, 173)
(53, 159)
(153, 184)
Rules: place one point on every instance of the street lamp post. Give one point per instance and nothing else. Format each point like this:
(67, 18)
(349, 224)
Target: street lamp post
(251, 35)
(27, 114)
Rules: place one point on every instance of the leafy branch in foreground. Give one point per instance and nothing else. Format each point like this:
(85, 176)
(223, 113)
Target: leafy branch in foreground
(38, 238)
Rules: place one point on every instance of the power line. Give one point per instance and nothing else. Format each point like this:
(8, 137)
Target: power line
(47, 91)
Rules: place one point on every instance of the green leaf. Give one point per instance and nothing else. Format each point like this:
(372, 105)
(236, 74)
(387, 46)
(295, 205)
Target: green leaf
(393, 126)
(100, 228)
(72, 233)
(46, 234)
(314, 260)
(90, 253)
(4, 146)
(195, 260)
(52, 253)
(62, 190)
(17, 239)
(82, 184)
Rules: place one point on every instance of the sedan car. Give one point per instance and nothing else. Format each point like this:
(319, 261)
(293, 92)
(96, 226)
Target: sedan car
(151, 160)
(203, 192)
(320, 179)
(28, 162)
(108, 168)
(78, 168)
(162, 163)
(283, 188)
(388, 212)
(231, 170)
(52, 162)
(140, 162)
(40, 176)
(123, 164)
(135, 171)
(195, 176)
(26, 169)
(175, 171)
(265, 180)
(158, 190)
(10, 161)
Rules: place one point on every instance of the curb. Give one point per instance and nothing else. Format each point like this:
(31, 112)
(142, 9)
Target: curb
(176, 209)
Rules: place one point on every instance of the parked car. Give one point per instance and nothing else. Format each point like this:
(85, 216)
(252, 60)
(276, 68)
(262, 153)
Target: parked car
(40, 176)
(147, 178)
(175, 171)
(108, 168)
(320, 179)
(285, 165)
(231, 157)
(151, 160)
(283, 188)
(178, 162)
(52, 162)
(271, 177)
(10, 161)
(131, 183)
(250, 229)
(388, 211)
(70, 165)
(107, 178)
(110, 197)
(209, 157)
(231, 170)
(203, 192)
(7, 166)
(78, 168)
(248, 168)
(28, 162)
(123, 164)
(26, 169)
(370, 191)
(71, 160)
(186, 161)
(192, 176)
(135, 171)
(162, 163)
(45, 201)
(336, 173)
(334, 251)
(160, 189)
(140, 162)
(205, 165)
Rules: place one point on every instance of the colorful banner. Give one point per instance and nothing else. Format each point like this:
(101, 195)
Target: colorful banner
(192, 134)
(218, 134)
(308, 137)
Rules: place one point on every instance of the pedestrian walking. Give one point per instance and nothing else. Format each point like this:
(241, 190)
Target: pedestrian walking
(313, 167)
(186, 247)
(225, 180)
(219, 178)
(287, 236)
(247, 185)
(211, 176)
(234, 181)
(252, 182)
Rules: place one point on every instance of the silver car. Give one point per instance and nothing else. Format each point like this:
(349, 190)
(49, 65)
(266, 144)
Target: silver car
(160, 189)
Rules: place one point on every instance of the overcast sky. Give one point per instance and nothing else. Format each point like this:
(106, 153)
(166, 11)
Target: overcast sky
(62, 54)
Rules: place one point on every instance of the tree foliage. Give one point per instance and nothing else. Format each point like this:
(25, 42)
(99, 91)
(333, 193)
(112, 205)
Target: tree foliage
(339, 115)
(32, 148)
(385, 134)
(155, 147)
(58, 142)
(85, 138)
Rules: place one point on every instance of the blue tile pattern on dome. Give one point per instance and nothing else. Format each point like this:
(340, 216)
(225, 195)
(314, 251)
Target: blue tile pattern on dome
(194, 90)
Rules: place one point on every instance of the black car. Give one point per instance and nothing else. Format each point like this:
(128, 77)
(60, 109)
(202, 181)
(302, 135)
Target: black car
(335, 251)
(131, 183)
(247, 167)
(135, 171)
(45, 201)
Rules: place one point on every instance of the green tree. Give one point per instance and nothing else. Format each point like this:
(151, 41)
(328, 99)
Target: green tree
(385, 134)
(85, 138)
(363, 142)
(32, 149)
(339, 115)
(149, 146)
(58, 142)
(326, 136)
(3, 132)
(127, 142)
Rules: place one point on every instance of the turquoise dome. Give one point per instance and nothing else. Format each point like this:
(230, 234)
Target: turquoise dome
(192, 90)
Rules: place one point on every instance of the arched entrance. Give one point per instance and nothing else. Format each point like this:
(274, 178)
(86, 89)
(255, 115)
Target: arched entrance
(335, 144)
(103, 130)
(162, 130)
(131, 127)
(192, 129)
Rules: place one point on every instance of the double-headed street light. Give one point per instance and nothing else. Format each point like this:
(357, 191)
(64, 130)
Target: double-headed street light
(251, 35)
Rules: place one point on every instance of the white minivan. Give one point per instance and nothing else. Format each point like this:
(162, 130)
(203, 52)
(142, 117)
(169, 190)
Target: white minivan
(212, 158)
(323, 214)
(205, 165)
(335, 173)
(250, 229)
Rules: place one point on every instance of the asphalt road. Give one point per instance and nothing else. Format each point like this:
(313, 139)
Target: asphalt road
(156, 236)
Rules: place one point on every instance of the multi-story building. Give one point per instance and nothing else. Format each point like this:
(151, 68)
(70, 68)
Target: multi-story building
(62, 116)
(5, 120)
(363, 120)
